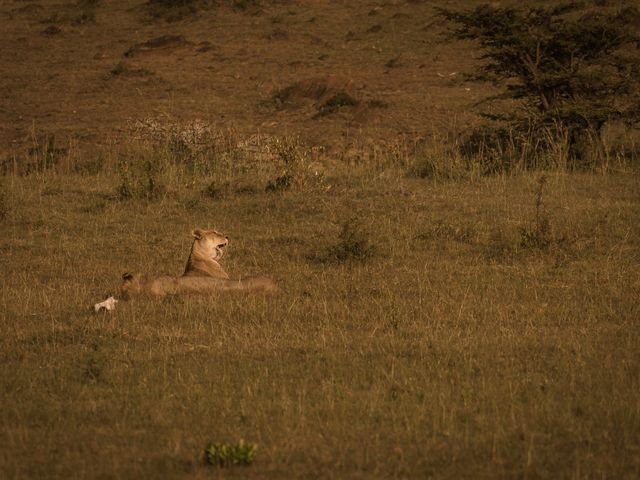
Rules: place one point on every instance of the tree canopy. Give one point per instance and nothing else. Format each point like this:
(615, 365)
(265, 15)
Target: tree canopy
(568, 65)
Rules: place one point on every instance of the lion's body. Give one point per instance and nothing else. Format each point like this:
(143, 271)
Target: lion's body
(203, 274)
(192, 285)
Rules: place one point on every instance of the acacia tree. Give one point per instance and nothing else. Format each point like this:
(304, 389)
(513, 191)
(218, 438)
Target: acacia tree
(570, 67)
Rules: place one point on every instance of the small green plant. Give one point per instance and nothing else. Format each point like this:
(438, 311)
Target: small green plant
(353, 242)
(226, 455)
(539, 234)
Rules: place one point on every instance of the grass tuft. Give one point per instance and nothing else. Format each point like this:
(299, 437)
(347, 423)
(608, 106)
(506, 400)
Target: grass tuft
(227, 455)
(353, 242)
(141, 176)
(538, 234)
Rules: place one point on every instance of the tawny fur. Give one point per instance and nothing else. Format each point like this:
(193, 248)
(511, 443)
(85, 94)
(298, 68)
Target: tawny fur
(203, 274)
(206, 251)
(162, 286)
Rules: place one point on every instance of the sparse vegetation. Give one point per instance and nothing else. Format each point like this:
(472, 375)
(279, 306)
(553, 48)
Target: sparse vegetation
(445, 313)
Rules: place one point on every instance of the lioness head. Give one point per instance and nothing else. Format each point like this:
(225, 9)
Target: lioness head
(130, 285)
(210, 243)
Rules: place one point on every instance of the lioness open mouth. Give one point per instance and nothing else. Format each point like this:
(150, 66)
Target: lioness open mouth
(219, 251)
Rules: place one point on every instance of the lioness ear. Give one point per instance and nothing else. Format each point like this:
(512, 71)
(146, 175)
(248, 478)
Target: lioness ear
(197, 234)
(127, 277)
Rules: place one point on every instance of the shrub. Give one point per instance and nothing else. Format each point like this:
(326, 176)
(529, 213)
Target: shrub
(293, 164)
(353, 242)
(140, 177)
(340, 99)
(195, 145)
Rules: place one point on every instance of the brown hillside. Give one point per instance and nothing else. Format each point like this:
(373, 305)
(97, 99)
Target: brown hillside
(81, 71)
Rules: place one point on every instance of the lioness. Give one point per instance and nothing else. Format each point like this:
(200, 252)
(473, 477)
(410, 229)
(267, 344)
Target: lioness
(206, 251)
(202, 275)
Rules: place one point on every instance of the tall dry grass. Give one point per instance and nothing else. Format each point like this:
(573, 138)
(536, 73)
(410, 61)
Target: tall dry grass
(454, 348)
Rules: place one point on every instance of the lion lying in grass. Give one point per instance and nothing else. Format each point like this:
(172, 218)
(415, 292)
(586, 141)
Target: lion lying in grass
(203, 274)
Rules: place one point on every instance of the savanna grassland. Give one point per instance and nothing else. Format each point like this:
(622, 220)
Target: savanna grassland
(435, 322)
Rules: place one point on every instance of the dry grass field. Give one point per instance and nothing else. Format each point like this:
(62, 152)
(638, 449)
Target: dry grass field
(452, 350)
(455, 326)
